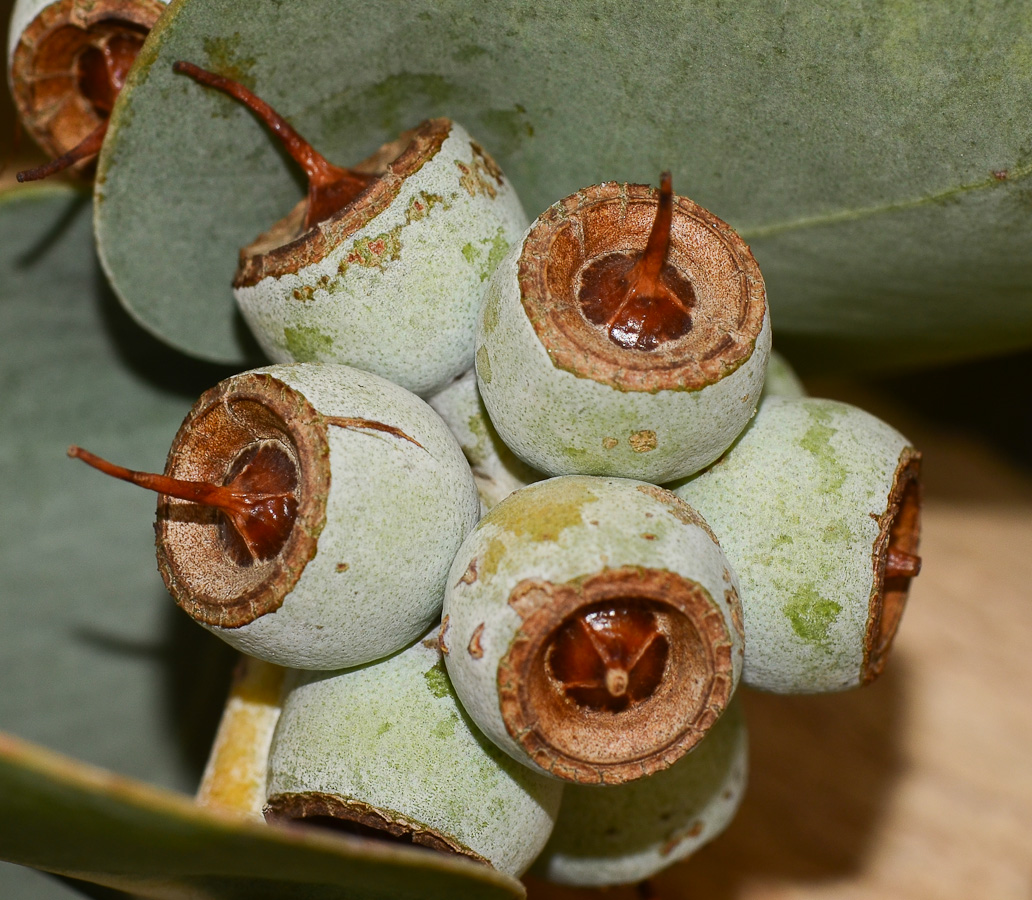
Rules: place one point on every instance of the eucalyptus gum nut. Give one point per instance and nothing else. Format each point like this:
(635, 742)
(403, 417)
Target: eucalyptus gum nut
(808, 504)
(617, 551)
(392, 283)
(45, 40)
(781, 379)
(496, 469)
(617, 834)
(603, 410)
(388, 746)
(385, 499)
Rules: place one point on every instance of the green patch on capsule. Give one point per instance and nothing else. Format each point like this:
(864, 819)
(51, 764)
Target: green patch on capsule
(491, 302)
(499, 247)
(446, 727)
(543, 515)
(781, 540)
(469, 253)
(375, 252)
(437, 680)
(483, 364)
(817, 442)
(307, 344)
(384, 728)
(421, 206)
(837, 532)
(493, 555)
(811, 614)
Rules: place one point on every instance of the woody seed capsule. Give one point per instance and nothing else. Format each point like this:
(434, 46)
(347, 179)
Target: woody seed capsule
(592, 628)
(638, 326)
(382, 266)
(617, 834)
(67, 61)
(386, 751)
(817, 506)
(308, 514)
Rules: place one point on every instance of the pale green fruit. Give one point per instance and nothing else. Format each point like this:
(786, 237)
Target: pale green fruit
(46, 41)
(496, 469)
(567, 398)
(392, 283)
(388, 747)
(385, 498)
(592, 627)
(617, 834)
(781, 380)
(817, 507)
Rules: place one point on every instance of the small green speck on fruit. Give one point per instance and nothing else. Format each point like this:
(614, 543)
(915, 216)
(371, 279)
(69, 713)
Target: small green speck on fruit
(811, 614)
(437, 680)
(307, 344)
(817, 441)
(483, 364)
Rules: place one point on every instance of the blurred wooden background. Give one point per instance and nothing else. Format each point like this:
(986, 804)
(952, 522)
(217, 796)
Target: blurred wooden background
(919, 786)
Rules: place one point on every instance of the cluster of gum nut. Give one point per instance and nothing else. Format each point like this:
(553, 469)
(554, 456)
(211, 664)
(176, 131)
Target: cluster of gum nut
(546, 578)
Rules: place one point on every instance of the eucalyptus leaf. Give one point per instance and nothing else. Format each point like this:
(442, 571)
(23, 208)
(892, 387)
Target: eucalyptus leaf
(854, 145)
(65, 817)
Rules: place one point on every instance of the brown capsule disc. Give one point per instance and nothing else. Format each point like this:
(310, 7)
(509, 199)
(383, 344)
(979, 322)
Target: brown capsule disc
(69, 62)
(319, 810)
(615, 676)
(288, 247)
(208, 571)
(593, 237)
(895, 563)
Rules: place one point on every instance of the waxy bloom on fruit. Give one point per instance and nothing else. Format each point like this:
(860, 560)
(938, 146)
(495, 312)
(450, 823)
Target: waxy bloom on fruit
(385, 750)
(817, 506)
(309, 514)
(592, 628)
(626, 334)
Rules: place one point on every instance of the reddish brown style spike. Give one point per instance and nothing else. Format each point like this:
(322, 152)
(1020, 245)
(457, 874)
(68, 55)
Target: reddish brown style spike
(258, 500)
(88, 147)
(330, 187)
(640, 300)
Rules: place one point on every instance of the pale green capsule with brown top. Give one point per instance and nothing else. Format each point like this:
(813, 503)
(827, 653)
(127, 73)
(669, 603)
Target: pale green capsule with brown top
(817, 506)
(386, 751)
(308, 515)
(592, 628)
(625, 334)
(624, 833)
(496, 469)
(381, 266)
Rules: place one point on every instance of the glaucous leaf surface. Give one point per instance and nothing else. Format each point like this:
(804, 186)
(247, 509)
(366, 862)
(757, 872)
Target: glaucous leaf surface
(69, 818)
(875, 155)
(98, 661)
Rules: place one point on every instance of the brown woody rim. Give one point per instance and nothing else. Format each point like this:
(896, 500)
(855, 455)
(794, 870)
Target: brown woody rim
(284, 249)
(609, 218)
(580, 744)
(201, 575)
(44, 80)
(317, 809)
(899, 529)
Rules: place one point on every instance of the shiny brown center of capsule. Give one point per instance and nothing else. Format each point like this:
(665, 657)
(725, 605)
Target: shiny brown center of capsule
(101, 69)
(608, 657)
(257, 501)
(639, 299)
(330, 188)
